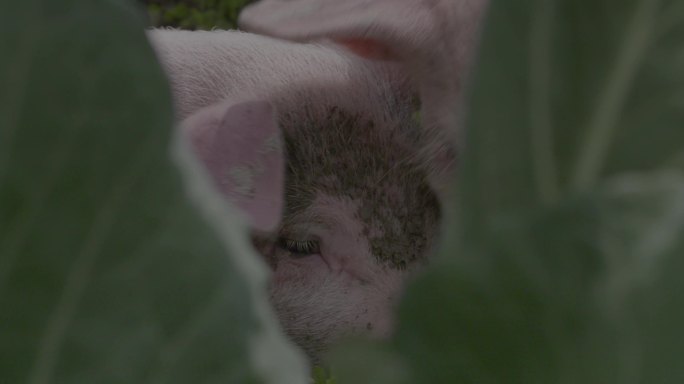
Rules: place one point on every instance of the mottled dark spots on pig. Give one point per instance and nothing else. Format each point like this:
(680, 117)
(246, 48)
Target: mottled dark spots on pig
(369, 326)
(372, 165)
(366, 212)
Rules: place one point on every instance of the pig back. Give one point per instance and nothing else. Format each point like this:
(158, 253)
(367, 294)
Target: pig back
(205, 67)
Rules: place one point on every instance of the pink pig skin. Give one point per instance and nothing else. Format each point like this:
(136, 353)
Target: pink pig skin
(205, 67)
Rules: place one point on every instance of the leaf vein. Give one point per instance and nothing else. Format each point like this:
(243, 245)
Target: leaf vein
(604, 123)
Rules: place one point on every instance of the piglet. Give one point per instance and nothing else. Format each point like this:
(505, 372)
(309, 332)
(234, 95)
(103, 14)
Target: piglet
(357, 207)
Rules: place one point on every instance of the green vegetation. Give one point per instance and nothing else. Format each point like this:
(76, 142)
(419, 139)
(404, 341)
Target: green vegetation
(111, 269)
(194, 14)
(322, 376)
(562, 260)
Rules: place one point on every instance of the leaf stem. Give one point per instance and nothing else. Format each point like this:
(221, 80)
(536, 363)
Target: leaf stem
(540, 103)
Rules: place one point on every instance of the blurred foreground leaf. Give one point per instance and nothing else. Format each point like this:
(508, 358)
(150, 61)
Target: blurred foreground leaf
(108, 274)
(587, 292)
(568, 93)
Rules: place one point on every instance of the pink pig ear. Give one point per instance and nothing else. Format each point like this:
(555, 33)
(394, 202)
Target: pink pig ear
(434, 39)
(385, 29)
(345, 22)
(371, 28)
(240, 146)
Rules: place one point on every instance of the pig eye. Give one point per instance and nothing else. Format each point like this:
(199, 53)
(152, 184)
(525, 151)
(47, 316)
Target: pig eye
(298, 247)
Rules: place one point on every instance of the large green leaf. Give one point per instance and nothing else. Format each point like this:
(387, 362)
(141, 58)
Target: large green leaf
(108, 274)
(568, 92)
(586, 292)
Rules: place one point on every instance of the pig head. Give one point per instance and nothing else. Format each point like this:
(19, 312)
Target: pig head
(343, 212)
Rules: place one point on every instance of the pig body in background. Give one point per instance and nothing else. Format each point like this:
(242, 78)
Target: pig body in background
(205, 67)
(359, 214)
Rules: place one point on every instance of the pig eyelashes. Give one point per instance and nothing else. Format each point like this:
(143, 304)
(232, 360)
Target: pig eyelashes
(300, 247)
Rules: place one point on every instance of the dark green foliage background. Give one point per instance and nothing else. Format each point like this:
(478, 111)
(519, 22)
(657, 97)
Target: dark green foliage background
(194, 14)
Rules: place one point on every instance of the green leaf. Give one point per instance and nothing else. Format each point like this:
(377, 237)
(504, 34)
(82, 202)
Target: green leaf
(322, 376)
(361, 361)
(108, 274)
(585, 292)
(567, 93)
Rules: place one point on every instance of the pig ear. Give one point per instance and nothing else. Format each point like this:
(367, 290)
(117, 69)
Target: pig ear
(407, 30)
(370, 28)
(240, 146)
